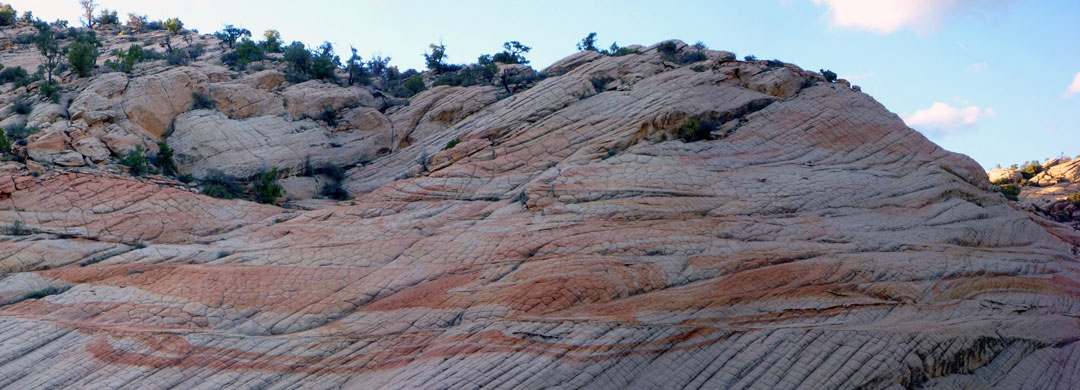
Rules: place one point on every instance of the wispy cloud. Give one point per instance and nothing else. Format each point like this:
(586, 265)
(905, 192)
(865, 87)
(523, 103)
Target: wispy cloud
(977, 67)
(886, 16)
(1074, 88)
(941, 118)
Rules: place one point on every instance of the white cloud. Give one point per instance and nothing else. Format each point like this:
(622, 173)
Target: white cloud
(977, 67)
(886, 16)
(941, 118)
(1074, 88)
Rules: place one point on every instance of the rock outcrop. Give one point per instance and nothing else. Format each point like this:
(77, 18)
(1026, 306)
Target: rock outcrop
(627, 222)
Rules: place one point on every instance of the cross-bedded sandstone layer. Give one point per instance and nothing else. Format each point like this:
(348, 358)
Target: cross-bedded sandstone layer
(570, 240)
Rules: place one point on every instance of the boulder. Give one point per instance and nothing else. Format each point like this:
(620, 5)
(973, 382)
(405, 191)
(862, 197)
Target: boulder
(312, 98)
(92, 147)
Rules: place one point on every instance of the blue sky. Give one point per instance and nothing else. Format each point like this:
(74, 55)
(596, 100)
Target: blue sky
(987, 78)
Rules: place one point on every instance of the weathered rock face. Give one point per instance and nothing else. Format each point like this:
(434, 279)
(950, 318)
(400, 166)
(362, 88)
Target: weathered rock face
(205, 140)
(570, 240)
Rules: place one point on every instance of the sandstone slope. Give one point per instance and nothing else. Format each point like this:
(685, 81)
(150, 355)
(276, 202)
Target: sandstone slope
(570, 240)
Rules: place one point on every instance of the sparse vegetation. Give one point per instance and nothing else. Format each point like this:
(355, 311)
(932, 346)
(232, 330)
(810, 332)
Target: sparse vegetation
(52, 55)
(88, 7)
(49, 90)
(306, 65)
(267, 189)
(164, 159)
(107, 18)
(221, 185)
(83, 53)
(52, 290)
(588, 43)
(173, 25)
(19, 132)
(436, 60)
(698, 68)
(668, 50)
(5, 144)
(1074, 198)
(830, 76)
(202, 102)
(271, 42)
(135, 160)
(15, 75)
(1030, 169)
(450, 145)
(1011, 191)
(513, 53)
(411, 86)
(600, 83)
(246, 52)
(693, 130)
(126, 60)
(230, 34)
(750, 58)
(17, 228)
(7, 15)
(22, 105)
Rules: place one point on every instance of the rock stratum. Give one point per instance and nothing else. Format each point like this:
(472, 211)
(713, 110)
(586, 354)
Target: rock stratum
(570, 240)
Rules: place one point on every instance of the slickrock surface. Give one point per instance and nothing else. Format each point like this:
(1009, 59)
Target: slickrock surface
(570, 240)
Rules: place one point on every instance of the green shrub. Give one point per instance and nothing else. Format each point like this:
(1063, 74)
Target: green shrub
(750, 58)
(436, 60)
(230, 34)
(334, 190)
(164, 159)
(600, 83)
(271, 42)
(185, 178)
(1010, 191)
(13, 75)
(1030, 169)
(173, 25)
(588, 43)
(698, 68)
(125, 61)
(450, 145)
(246, 52)
(107, 18)
(513, 53)
(693, 56)
(668, 50)
(413, 85)
(20, 132)
(221, 185)
(830, 76)
(1075, 198)
(328, 115)
(49, 90)
(17, 228)
(82, 57)
(267, 188)
(136, 161)
(23, 39)
(202, 102)
(5, 144)
(693, 130)
(22, 105)
(7, 15)
(331, 171)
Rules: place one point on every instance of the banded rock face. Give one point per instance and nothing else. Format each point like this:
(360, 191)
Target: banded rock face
(570, 240)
